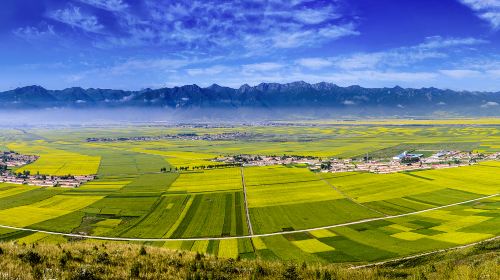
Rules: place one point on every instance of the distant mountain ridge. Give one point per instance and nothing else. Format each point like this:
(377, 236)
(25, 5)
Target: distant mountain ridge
(264, 95)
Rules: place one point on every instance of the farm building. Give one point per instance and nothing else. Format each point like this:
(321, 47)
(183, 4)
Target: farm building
(405, 156)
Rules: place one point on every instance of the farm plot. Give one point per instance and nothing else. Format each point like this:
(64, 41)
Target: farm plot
(64, 223)
(227, 179)
(216, 214)
(104, 185)
(481, 178)
(382, 239)
(408, 192)
(55, 161)
(307, 215)
(180, 158)
(124, 163)
(283, 199)
(159, 221)
(366, 187)
(150, 183)
(123, 205)
(277, 185)
(47, 209)
(27, 196)
(7, 190)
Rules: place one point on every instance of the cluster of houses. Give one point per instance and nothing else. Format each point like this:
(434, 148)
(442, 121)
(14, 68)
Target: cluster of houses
(458, 156)
(402, 162)
(181, 136)
(258, 160)
(408, 162)
(13, 159)
(45, 181)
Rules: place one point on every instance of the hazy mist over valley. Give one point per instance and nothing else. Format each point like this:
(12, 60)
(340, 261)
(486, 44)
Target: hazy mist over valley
(264, 102)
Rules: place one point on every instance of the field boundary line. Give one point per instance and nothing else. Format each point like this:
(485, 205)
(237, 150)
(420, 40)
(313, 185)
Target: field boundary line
(247, 212)
(181, 217)
(425, 254)
(350, 198)
(244, 236)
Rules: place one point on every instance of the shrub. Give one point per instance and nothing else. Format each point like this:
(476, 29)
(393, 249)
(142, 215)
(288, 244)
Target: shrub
(290, 273)
(84, 274)
(103, 258)
(259, 270)
(37, 273)
(326, 276)
(33, 258)
(135, 270)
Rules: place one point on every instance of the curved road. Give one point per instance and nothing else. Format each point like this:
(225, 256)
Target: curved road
(244, 236)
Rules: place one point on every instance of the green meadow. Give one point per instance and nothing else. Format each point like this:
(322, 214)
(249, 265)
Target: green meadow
(309, 215)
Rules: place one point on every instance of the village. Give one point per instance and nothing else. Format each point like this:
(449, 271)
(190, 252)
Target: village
(13, 160)
(399, 163)
(181, 136)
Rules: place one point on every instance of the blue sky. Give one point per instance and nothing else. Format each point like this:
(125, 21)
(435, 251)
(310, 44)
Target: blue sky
(133, 44)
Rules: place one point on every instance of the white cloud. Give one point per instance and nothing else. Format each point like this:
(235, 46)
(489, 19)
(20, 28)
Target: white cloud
(217, 26)
(348, 102)
(489, 104)
(482, 4)
(73, 17)
(488, 10)
(315, 16)
(436, 42)
(109, 5)
(338, 31)
(393, 76)
(494, 73)
(460, 73)
(300, 37)
(31, 33)
(360, 61)
(314, 63)
(161, 64)
(262, 67)
(432, 48)
(213, 70)
(492, 17)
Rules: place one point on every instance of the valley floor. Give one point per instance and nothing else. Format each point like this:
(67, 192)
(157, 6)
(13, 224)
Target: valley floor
(293, 213)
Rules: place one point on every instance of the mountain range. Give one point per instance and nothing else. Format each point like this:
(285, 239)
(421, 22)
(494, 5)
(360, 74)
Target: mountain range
(265, 95)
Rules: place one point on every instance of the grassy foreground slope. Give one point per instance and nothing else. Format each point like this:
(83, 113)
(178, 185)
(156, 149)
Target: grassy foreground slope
(82, 260)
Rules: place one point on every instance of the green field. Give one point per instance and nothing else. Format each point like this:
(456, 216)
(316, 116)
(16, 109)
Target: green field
(132, 198)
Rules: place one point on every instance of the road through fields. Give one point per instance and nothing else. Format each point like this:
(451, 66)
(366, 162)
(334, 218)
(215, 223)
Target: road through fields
(247, 212)
(243, 236)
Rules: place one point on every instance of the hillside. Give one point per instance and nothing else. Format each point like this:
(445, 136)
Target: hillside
(82, 260)
(266, 95)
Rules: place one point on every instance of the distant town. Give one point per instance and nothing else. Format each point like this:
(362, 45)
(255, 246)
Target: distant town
(404, 161)
(398, 163)
(12, 159)
(180, 136)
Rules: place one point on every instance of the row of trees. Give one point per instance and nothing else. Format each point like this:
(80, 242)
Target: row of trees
(26, 173)
(198, 167)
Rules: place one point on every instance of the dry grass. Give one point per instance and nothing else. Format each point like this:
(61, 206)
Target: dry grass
(85, 260)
